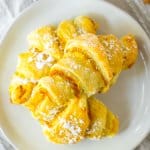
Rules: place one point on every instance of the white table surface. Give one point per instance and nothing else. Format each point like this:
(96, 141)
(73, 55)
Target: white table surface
(9, 9)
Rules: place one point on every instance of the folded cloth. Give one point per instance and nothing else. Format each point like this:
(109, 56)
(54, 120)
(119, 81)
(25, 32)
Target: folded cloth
(9, 9)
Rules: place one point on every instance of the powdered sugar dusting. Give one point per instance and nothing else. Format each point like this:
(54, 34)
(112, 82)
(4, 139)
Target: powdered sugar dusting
(92, 41)
(74, 129)
(97, 125)
(72, 126)
(111, 45)
(49, 41)
(73, 64)
(41, 61)
(19, 80)
(30, 59)
(68, 130)
(49, 116)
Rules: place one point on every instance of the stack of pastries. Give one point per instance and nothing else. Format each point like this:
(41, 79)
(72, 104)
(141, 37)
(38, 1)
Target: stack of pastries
(62, 70)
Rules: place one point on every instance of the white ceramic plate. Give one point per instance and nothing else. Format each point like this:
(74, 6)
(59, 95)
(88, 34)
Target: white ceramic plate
(129, 98)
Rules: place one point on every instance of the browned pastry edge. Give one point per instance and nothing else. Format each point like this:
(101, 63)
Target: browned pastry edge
(147, 1)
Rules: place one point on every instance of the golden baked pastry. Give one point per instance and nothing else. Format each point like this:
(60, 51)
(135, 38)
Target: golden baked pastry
(56, 88)
(69, 29)
(62, 69)
(66, 30)
(45, 49)
(71, 124)
(121, 54)
(102, 121)
(85, 24)
(31, 67)
(113, 52)
(107, 53)
(45, 39)
(20, 89)
(79, 73)
(89, 45)
(130, 50)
